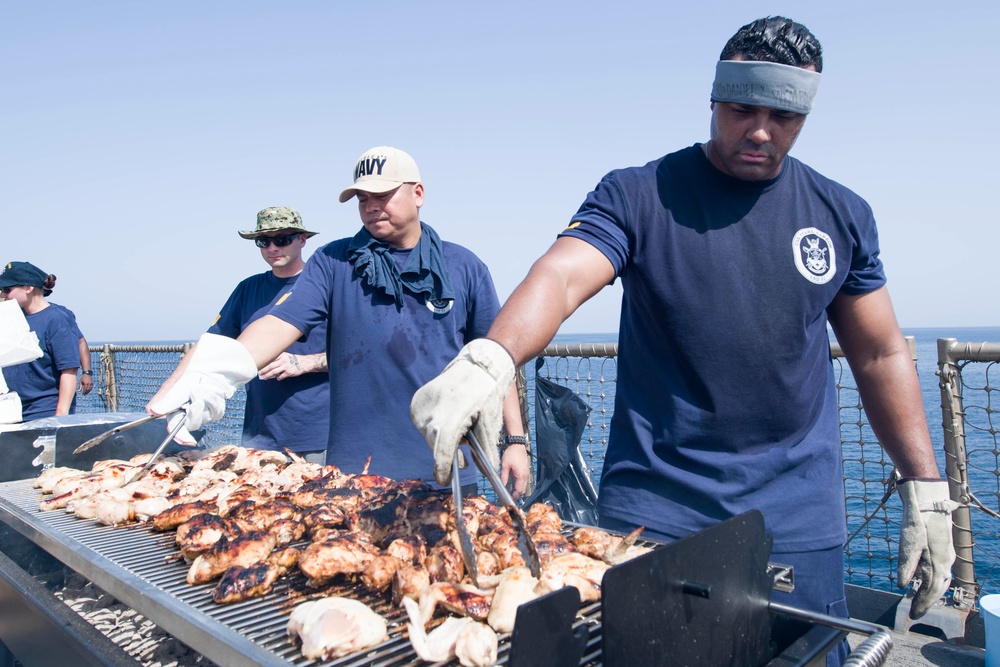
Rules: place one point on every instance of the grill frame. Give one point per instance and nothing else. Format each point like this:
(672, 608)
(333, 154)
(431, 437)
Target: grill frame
(128, 563)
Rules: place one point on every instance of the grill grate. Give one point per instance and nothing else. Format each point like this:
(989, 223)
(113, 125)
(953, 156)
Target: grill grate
(132, 564)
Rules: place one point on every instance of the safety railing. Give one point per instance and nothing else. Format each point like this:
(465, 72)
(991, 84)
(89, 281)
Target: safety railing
(126, 377)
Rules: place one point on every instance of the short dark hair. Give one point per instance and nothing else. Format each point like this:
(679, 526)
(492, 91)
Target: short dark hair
(775, 39)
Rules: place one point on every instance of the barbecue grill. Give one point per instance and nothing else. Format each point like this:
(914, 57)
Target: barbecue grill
(691, 605)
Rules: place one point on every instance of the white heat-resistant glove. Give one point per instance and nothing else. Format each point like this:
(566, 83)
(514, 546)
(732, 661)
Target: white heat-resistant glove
(468, 394)
(926, 552)
(219, 366)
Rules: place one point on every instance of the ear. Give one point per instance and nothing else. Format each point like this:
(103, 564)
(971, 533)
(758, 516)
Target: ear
(418, 194)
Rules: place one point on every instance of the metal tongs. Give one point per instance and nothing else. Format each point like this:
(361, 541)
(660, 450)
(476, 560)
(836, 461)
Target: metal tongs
(115, 431)
(524, 542)
(139, 474)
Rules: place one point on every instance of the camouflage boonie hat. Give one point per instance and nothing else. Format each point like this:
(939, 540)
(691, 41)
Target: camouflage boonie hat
(278, 219)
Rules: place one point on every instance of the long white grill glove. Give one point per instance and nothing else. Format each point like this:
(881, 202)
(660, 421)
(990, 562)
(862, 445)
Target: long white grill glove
(219, 366)
(468, 393)
(926, 552)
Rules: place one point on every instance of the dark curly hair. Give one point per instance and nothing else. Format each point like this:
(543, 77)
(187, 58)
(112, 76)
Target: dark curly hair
(48, 284)
(775, 39)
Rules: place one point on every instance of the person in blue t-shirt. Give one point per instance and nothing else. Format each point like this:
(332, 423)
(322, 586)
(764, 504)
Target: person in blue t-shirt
(288, 402)
(733, 257)
(86, 380)
(398, 304)
(46, 386)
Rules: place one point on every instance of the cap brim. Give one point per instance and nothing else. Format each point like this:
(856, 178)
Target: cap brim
(290, 230)
(370, 185)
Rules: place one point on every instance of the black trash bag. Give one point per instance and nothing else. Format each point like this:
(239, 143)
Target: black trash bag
(562, 478)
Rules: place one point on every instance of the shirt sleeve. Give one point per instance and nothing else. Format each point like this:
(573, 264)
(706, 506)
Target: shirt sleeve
(227, 322)
(867, 272)
(602, 221)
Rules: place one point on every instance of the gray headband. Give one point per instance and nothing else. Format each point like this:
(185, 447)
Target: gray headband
(765, 84)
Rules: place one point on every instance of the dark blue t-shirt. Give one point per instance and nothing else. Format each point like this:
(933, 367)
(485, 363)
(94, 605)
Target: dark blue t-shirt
(37, 382)
(725, 399)
(280, 414)
(380, 354)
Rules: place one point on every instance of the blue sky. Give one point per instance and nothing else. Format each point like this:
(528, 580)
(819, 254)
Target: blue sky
(139, 137)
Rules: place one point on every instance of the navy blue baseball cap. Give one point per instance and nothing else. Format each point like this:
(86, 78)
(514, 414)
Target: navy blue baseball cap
(22, 273)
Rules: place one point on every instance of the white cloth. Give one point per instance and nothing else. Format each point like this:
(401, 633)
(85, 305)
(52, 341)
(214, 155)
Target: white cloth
(468, 394)
(18, 343)
(926, 551)
(219, 366)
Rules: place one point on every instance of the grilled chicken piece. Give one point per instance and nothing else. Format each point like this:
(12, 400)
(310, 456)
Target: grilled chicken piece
(444, 563)
(217, 459)
(236, 495)
(334, 627)
(173, 517)
(346, 553)
(474, 644)
(48, 478)
(286, 531)
(150, 507)
(198, 534)
(112, 512)
(409, 549)
(408, 582)
(255, 515)
(70, 488)
(551, 544)
(240, 583)
(573, 569)
(379, 573)
(612, 549)
(244, 550)
(503, 544)
(322, 516)
(542, 518)
(487, 564)
(462, 599)
(313, 494)
(516, 587)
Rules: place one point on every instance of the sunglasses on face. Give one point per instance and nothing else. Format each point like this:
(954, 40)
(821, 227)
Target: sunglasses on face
(6, 290)
(279, 241)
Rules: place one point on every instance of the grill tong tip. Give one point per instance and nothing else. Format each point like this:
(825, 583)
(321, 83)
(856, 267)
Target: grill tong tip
(524, 542)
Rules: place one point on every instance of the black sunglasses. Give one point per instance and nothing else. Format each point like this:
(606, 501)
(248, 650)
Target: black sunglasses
(6, 290)
(280, 241)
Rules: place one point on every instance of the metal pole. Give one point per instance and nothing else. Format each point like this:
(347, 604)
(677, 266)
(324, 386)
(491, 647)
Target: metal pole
(964, 587)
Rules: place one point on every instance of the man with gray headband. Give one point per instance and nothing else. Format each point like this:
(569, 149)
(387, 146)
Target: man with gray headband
(733, 257)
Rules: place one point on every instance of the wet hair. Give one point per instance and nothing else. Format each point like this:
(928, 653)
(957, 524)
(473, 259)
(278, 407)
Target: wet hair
(775, 39)
(48, 284)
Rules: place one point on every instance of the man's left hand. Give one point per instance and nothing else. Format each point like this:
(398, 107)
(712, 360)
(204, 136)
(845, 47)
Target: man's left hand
(86, 384)
(287, 365)
(515, 462)
(926, 551)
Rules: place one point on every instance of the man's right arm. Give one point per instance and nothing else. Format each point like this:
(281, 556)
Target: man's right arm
(559, 282)
(469, 393)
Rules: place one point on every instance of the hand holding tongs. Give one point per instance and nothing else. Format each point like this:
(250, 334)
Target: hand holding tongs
(524, 542)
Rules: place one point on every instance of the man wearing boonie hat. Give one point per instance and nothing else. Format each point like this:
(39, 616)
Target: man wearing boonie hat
(288, 402)
(733, 257)
(398, 304)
